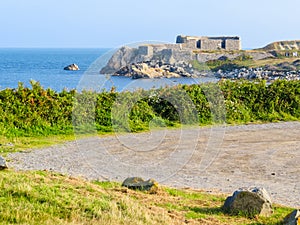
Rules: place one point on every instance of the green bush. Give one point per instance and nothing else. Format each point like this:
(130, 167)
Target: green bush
(36, 111)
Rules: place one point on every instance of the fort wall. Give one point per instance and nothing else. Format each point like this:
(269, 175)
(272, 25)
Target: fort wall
(210, 43)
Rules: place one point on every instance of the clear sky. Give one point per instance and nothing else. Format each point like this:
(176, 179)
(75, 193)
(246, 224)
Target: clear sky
(111, 23)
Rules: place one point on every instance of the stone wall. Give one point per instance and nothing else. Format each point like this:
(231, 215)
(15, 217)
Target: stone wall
(209, 43)
(231, 44)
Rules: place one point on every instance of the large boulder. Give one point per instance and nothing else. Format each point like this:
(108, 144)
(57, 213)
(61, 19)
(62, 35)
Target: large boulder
(2, 163)
(72, 67)
(137, 183)
(293, 218)
(249, 202)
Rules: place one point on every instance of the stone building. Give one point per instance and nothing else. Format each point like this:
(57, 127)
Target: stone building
(209, 43)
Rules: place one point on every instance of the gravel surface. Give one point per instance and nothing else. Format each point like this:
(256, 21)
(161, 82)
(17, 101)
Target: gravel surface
(219, 159)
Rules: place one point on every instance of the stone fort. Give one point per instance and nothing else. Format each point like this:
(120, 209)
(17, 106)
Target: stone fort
(209, 43)
(186, 48)
(193, 43)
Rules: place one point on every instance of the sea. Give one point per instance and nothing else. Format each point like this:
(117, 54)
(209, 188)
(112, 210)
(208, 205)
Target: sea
(45, 66)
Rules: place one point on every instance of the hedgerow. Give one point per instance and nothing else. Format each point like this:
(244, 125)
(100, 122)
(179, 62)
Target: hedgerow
(37, 111)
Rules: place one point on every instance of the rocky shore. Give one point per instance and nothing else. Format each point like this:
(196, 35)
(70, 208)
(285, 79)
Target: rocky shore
(258, 73)
(158, 69)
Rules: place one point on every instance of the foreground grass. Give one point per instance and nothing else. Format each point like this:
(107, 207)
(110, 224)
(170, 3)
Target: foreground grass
(50, 198)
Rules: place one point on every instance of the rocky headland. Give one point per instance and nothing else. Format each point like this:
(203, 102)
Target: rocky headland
(220, 58)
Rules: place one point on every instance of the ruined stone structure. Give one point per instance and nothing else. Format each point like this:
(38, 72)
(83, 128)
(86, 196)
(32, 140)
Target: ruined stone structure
(184, 50)
(209, 43)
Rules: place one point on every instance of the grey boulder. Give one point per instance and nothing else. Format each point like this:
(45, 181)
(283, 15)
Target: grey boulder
(2, 163)
(137, 183)
(249, 202)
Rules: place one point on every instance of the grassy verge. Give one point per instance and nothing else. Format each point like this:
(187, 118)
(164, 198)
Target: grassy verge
(18, 144)
(50, 198)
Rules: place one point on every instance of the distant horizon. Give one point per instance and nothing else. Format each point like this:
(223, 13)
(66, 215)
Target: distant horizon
(133, 42)
(126, 44)
(114, 23)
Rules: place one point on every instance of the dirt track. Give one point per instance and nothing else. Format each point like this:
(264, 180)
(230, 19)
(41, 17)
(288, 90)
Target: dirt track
(215, 159)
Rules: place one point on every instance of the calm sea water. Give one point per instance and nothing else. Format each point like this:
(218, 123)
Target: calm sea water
(46, 66)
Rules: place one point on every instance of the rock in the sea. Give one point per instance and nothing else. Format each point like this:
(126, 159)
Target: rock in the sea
(137, 183)
(249, 202)
(2, 163)
(293, 218)
(72, 67)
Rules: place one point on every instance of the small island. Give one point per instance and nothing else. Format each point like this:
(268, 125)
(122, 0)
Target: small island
(221, 57)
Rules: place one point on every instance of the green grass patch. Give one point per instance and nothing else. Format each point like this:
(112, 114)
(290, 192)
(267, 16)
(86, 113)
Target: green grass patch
(49, 198)
(18, 144)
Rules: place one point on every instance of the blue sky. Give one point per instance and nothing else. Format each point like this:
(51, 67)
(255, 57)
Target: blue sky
(111, 23)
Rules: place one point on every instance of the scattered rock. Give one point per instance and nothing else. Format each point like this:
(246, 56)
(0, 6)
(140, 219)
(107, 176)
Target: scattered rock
(137, 183)
(249, 202)
(159, 69)
(293, 218)
(72, 67)
(268, 73)
(2, 163)
(153, 69)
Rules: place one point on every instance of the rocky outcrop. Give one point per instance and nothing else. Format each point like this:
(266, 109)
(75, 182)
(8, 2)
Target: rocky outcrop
(249, 202)
(293, 218)
(122, 57)
(72, 67)
(2, 163)
(269, 73)
(152, 69)
(137, 183)
(170, 54)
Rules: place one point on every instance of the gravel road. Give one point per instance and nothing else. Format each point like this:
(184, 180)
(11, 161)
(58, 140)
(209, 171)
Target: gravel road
(221, 159)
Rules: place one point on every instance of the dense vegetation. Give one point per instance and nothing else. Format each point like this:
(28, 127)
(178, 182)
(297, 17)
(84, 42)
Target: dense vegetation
(36, 111)
(48, 198)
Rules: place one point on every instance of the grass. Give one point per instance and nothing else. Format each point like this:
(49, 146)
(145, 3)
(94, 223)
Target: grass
(18, 144)
(246, 62)
(263, 62)
(49, 198)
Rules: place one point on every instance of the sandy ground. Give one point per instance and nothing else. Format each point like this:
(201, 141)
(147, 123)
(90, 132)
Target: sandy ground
(219, 159)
